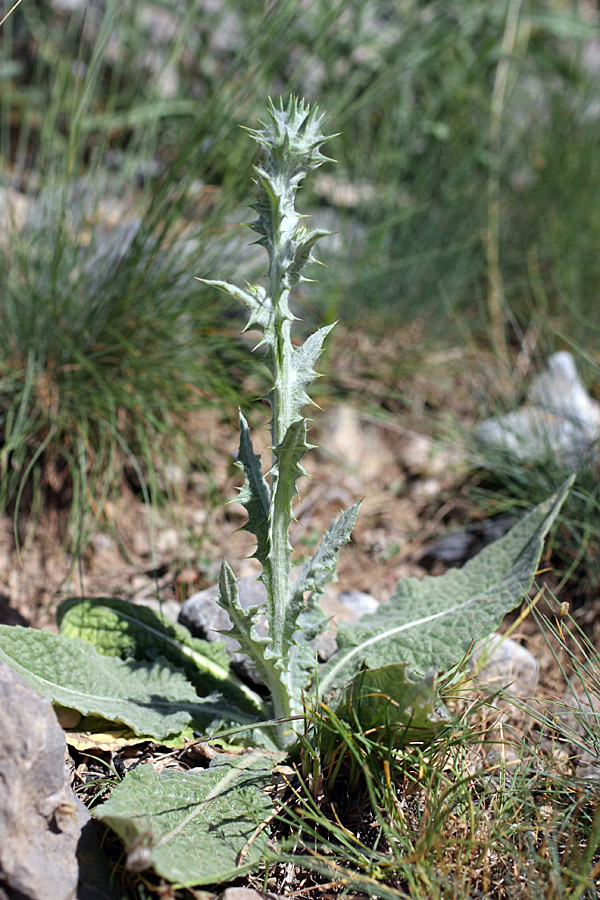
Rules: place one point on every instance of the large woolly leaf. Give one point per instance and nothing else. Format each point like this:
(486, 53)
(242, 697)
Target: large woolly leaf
(391, 704)
(194, 828)
(119, 628)
(432, 623)
(153, 699)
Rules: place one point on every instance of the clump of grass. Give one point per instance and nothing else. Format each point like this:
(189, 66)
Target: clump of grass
(99, 360)
(438, 820)
(106, 345)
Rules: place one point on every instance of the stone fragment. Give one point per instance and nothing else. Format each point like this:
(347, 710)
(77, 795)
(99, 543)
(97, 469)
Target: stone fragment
(358, 604)
(40, 817)
(456, 547)
(559, 420)
(502, 664)
(581, 718)
(242, 893)
(359, 445)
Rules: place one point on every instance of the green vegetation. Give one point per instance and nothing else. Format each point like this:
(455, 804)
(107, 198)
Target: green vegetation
(382, 679)
(462, 212)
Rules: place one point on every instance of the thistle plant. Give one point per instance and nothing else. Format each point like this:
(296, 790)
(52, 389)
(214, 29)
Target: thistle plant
(160, 682)
(428, 625)
(291, 141)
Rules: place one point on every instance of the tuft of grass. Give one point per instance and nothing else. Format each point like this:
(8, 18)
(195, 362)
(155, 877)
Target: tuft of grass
(483, 811)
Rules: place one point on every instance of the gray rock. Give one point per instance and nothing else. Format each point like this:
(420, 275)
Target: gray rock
(456, 547)
(502, 664)
(580, 716)
(358, 604)
(242, 893)
(40, 817)
(560, 420)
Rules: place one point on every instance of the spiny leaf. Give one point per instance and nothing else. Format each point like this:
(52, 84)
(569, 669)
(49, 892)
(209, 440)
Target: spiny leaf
(293, 133)
(321, 569)
(301, 245)
(288, 455)
(254, 299)
(244, 623)
(206, 826)
(301, 658)
(255, 495)
(303, 361)
(303, 619)
(432, 623)
(268, 207)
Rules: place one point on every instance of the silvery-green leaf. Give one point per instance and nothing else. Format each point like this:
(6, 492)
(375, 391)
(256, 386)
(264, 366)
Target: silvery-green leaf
(286, 471)
(254, 299)
(194, 828)
(392, 704)
(287, 457)
(303, 620)
(321, 569)
(293, 134)
(301, 245)
(300, 664)
(268, 208)
(255, 495)
(120, 628)
(431, 623)
(244, 624)
(151, 698)
(303, 361)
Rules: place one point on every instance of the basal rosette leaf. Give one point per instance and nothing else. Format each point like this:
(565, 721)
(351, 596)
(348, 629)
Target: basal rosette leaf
(392, 704)
(153, 699)
(119, 628)
(194, 828)
(431, 623)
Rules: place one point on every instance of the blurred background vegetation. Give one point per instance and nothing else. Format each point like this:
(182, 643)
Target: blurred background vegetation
(464, 205)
